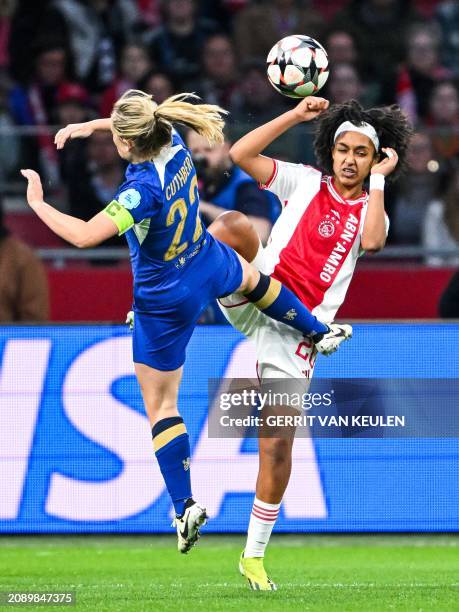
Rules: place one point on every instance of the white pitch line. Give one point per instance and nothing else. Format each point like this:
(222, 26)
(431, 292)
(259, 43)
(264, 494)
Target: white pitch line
(353, 585)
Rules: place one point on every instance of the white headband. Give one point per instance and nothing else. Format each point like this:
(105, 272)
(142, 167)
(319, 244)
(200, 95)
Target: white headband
(365, 128)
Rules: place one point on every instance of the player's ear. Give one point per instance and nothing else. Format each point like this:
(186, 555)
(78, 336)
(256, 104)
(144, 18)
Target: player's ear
(128, 143)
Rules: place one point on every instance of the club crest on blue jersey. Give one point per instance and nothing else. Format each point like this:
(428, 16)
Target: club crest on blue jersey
(130, 198)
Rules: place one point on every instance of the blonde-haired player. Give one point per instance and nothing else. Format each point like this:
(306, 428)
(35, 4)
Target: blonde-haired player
(178, 267)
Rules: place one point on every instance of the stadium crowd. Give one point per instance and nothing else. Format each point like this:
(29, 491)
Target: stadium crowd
(64, 61)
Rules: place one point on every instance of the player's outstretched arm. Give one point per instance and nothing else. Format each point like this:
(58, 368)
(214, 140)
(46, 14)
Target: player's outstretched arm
(82, 234)
(80, 130)
(246, 152)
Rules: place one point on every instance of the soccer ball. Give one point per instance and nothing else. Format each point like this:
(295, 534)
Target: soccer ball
(297, 66)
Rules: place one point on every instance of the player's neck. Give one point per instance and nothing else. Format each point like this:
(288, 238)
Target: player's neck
(138, 160)
(348, 193)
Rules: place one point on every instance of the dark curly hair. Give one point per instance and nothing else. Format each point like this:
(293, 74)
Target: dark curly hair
(391, 125)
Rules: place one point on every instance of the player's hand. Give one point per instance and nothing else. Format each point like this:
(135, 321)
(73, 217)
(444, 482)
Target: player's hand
(310, 107)
(130, 319)
(387, 164)
(34, 187)
(73, 130)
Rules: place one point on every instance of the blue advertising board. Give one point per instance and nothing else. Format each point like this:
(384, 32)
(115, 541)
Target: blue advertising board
(76, 452)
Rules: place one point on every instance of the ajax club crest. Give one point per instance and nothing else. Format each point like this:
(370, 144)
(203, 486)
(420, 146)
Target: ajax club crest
(328, 225)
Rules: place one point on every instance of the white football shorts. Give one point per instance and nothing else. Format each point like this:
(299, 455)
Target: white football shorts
(282, 352)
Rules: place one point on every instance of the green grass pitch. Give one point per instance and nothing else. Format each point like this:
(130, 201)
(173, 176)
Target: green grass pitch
(313, 572)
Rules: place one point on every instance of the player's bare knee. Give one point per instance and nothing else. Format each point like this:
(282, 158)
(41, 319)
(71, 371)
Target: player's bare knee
(236, 230)
(276, 451)
(235, 222)
(230, 225)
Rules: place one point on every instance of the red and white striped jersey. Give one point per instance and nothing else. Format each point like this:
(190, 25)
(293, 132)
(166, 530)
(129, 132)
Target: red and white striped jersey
(315, 243)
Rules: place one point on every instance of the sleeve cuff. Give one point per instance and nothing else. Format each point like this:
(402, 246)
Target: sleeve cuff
(272, 178)
(120, 216)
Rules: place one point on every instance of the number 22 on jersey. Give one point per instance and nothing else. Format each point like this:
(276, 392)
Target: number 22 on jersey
(179, 207)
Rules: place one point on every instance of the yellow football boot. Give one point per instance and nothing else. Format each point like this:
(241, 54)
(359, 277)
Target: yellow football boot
(253, 569)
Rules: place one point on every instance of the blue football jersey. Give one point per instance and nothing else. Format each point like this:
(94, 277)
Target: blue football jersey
(158, 205)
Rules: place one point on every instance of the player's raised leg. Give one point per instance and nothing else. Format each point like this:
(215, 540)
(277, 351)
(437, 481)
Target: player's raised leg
(172, 448)
(279, 303)
(235, 229)
(268, 294)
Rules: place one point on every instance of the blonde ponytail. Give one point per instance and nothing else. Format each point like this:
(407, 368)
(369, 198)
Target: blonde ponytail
(138, 118)
(205, 119)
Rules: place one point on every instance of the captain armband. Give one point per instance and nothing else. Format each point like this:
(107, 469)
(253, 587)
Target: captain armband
(120, 216)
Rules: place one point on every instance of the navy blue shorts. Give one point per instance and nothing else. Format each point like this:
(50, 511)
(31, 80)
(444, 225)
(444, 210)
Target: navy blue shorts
(161, 335)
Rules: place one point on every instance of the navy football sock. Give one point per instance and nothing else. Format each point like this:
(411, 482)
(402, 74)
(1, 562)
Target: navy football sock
(172, 448)
(281, 304)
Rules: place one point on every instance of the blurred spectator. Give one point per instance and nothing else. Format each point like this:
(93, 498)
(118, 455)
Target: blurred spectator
(72, 104)
(91, 188)
(444, 119)
(379, 27)
(343, 84)
(23, 283)
(134, 65)
(176, 46)
(159, 85)
(257, 101)
(73, 107)
(422, 70)
(9, 140)
(449, 300)
(7, 8)
(415, 191)
(259, 26)
(25, 29)
(441, 226)
(220, 78)
(150, 12)
(35, 104)
(221, 11)
(341, 47)
(224, 186)
(447, 16)
(95, 30)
